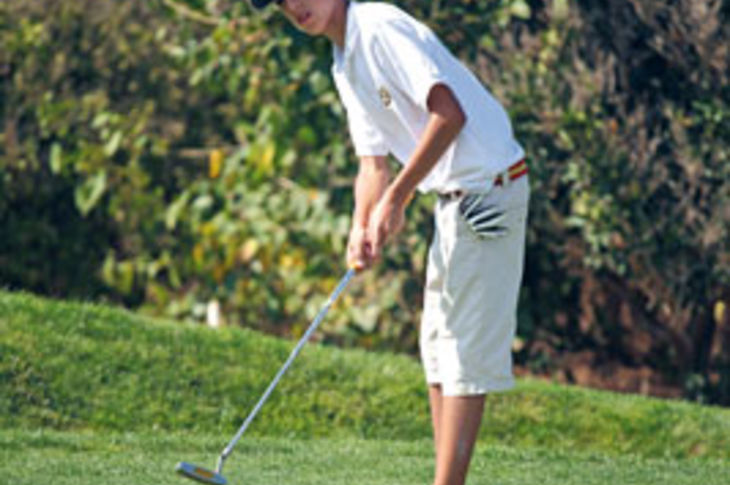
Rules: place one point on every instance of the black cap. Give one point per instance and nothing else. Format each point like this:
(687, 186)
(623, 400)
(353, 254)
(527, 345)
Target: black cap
(260, 3)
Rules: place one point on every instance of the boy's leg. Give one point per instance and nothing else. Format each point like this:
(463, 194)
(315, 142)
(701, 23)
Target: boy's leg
(459, 420)
(435, 398)
(469, 322)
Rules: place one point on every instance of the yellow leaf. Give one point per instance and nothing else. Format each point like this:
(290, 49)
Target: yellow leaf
(266, 163)
(249, 250)
(265, 259)
(219, 272)
(298, 260)
(287, 261)
(230, 260)
(719, 312)
(215, 162)
(207, 229)
(198, 254)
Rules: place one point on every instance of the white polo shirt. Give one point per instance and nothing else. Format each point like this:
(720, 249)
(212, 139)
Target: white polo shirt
(384, 75)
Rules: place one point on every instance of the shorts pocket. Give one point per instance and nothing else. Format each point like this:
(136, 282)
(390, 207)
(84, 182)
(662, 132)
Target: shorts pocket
(484, 216)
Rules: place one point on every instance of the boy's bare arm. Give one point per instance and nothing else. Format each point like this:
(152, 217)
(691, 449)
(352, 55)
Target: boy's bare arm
(371, 182)
(372, 179)
(445, 122)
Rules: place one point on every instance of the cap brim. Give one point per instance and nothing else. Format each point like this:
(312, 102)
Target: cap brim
(260, 3)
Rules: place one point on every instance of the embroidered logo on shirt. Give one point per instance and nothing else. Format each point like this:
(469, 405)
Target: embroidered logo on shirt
(385, 96)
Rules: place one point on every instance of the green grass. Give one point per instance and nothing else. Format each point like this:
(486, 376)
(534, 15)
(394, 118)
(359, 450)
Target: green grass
(30, 458)
(91, 394)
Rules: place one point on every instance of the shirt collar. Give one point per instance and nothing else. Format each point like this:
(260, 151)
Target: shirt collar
(339, 55)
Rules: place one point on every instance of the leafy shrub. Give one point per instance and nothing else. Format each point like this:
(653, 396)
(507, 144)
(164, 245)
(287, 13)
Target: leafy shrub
(207, 162)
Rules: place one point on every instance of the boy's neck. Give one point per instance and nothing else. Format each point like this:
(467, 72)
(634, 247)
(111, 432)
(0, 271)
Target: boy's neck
(337, 29)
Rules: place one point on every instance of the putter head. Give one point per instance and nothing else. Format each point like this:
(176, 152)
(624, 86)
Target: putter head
(200, 474)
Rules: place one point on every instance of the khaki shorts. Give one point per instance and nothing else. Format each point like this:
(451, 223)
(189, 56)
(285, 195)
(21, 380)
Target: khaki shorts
(470, 302)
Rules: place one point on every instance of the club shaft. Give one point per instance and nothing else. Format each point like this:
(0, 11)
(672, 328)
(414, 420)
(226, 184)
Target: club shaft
(312, 328)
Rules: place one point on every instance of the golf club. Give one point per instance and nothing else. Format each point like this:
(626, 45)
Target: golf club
(204, 475)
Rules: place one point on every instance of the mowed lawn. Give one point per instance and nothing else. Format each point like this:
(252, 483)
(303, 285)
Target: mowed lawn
(92, 395)
(64, 458)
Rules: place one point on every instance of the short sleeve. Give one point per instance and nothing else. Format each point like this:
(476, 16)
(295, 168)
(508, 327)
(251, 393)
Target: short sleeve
(412, 57)
(366, 137)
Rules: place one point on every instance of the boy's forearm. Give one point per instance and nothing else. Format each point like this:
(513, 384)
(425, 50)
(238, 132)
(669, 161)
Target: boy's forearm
(372, 180)
(439, 134)
(445, 122)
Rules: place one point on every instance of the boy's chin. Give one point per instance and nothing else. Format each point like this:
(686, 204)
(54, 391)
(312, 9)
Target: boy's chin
(308, 30)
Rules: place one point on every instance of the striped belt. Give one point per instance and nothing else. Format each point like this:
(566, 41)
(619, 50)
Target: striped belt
(514, 172)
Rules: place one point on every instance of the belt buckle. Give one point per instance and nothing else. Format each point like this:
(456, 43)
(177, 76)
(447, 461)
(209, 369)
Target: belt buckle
(453, 195)
(502, 179)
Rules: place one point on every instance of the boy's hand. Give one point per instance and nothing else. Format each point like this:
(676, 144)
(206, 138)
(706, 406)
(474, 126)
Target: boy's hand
(359, 249)
(386, 221)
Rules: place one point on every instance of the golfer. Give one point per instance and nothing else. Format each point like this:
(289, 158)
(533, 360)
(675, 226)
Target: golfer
(406, 95)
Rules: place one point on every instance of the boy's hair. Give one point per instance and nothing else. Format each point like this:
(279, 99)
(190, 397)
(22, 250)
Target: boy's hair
(259, 4)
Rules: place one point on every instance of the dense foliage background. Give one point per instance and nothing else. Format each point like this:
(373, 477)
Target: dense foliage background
(166, 157)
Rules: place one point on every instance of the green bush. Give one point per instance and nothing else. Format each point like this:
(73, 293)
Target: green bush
(207, 162)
